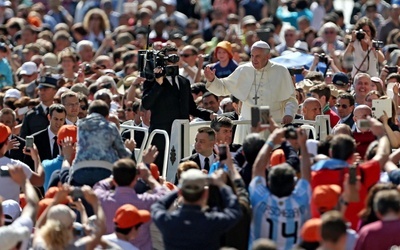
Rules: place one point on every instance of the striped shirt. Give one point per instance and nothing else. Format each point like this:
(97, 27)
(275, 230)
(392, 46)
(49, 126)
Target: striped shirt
(278, 219)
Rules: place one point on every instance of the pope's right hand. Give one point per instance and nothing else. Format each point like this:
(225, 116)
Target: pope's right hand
(209, 74)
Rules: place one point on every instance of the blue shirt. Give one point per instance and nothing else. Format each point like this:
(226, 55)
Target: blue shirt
(278, 219)
(6, 78)
(49, 166)
(291, 17)
(222, 72)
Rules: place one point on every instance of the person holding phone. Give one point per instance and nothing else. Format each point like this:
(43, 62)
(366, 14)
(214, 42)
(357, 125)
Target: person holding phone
(9, 189)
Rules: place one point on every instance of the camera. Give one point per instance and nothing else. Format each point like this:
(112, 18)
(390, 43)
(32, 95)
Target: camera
(260, 115)
(290, 133)
(148, 60)
(377, 44)
(391, 69)
(360, 34)
(295, 71)
(76, 193)
(323, 58)
(206, 57)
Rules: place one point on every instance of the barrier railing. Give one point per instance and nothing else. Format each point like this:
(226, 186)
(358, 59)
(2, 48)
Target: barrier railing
(183, 133)
(166, 149)
(138, 151)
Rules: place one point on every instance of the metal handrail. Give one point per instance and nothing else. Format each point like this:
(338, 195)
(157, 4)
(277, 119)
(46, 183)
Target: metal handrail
(166, 148)
(146, 136)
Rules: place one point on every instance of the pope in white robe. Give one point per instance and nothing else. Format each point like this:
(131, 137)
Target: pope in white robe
(257, 83)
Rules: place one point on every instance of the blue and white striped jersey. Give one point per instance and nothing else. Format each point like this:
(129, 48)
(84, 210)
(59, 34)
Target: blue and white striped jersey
(278, 219)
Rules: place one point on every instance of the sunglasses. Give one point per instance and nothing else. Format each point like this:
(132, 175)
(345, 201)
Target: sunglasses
(343, 106)
(186, 55)
(128, 110)
(83, 107)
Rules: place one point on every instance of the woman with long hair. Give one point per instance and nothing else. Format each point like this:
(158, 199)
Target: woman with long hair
(97, 24)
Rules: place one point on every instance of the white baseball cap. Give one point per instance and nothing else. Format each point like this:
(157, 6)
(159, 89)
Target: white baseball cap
(12, 93)
(28, 68)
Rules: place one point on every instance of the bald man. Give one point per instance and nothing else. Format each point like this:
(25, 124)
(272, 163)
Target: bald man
(311, 108)
(361, 112)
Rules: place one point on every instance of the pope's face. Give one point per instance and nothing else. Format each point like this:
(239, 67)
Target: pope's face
(259, 57)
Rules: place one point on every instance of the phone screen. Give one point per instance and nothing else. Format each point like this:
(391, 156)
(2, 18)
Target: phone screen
(222, 152)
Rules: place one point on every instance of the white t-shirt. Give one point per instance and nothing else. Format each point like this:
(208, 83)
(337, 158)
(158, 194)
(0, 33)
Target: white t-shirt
(126, 245)
(8, 188)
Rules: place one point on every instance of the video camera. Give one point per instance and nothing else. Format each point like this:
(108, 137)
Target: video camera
(148, 60)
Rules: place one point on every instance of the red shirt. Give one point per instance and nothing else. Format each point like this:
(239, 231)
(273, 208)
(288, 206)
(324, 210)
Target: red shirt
(333, 117)
(379, 235)
(370, 174)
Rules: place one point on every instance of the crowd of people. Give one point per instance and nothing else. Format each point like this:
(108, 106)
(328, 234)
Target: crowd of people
(73, 71)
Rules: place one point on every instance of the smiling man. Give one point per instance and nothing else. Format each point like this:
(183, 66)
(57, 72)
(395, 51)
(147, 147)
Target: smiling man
(362, 85)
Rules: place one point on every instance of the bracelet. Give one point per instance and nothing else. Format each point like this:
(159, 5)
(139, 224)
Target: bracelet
(270, 143)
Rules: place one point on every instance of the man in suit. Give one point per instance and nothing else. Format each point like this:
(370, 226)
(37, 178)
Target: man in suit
(70, 101)
(16, 143)
(169, 98)
(204, 146)
(345, 106)
(36, 119)
(46, 140)
(222, 126)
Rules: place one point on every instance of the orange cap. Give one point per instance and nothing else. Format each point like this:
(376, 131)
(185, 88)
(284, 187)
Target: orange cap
(128, 216)
(226, 46)
(67, 131)
(326, 197)
(5, 132)
(277, 157)
(154, 171)
(310, 230)
(52, 191)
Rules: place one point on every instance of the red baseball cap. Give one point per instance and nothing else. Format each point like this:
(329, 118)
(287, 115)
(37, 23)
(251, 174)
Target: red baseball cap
(128, 216)
(5, 132)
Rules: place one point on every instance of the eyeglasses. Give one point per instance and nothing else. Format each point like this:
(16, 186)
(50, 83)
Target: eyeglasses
(329, 32)
(186, 55)
(84, 107)
(343, 106)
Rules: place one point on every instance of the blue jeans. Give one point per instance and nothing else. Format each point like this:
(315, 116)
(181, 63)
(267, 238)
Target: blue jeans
(88, 176)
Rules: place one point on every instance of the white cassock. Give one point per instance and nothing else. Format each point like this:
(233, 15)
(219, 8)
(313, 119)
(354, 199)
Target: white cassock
(271, 86)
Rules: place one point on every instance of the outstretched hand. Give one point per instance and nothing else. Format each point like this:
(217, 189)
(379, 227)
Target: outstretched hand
(209, 73)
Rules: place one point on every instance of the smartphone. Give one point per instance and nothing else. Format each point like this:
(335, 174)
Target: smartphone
(392, 69)
(352, 175)
(29, 143)
(4, 171)
(222, 148)
(260, 114)
(363, 124)
(76, 194)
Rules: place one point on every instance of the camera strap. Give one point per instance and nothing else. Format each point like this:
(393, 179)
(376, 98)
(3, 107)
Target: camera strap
(359, 67)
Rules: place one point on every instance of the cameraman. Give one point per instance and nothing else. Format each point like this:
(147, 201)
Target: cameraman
(363, 49)
(168, 98)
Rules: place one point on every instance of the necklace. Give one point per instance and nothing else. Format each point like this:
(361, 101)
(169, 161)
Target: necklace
(257, 86)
